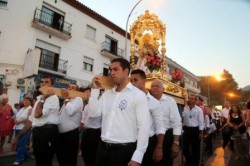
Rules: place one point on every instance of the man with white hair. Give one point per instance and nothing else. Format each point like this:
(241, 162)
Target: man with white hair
(172, 123)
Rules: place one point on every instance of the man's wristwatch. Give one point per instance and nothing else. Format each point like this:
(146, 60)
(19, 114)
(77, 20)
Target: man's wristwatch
(177, 143)
(41, 101)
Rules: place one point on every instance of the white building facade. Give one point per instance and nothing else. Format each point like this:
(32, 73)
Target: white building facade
(63, 39)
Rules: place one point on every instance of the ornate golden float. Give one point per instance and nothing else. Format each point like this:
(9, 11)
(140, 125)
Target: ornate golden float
(148, 34)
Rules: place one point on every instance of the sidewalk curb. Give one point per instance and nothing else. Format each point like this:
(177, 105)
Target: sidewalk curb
(9, 154)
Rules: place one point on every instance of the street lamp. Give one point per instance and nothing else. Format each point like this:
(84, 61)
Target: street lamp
(208, 92)
(126, 33)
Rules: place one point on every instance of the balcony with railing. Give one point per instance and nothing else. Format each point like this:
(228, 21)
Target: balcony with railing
(53, 65)
(52, 23)
(111, 52)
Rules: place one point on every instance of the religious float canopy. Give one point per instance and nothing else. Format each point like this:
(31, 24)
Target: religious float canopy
(148, 33)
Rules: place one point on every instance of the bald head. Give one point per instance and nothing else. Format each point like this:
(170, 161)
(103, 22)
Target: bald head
(157, 88)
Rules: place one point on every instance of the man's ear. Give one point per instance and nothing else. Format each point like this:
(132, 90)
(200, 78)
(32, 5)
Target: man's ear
(127, 70)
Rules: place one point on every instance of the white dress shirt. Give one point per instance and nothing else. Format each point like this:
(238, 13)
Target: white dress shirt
(224, 112)
(193, 117)
(156, 119)
(91, 123)
(70, 115)
(212, 128)
(50, 112)
(125, 117)
(207, 122)
(171, 115)
(21, 115)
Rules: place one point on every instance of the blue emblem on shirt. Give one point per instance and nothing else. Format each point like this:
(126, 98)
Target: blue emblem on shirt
(123, 104)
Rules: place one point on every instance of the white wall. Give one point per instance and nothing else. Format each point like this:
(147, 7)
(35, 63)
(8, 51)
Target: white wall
(17, 36)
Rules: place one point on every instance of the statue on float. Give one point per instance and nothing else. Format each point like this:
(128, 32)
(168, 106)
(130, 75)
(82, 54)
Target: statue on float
(147, 40)
(148, 32)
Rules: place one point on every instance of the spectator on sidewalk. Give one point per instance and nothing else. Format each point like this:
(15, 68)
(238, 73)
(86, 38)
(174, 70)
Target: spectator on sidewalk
(20, 120)
(226, 135)
(211, 129)
(216, 116)
(236, 120)
(6, 120)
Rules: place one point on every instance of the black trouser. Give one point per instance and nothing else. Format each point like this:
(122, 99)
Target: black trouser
(44, 144)
(68, 148)
(90, 140)
(227, 139)
(217, 124)
(191, 145)
(209, 143)
(167, 149)
(114, 154)
(148, 156)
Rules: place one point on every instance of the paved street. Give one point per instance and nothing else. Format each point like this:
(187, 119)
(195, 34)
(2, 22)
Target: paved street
(220, 157)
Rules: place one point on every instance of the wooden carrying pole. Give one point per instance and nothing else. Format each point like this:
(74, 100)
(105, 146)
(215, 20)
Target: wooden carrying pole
(105, 83)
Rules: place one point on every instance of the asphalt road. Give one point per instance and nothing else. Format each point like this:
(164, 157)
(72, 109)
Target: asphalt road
(8, 161)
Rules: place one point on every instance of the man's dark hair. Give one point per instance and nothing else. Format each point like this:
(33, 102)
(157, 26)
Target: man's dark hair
(28, 98)
(16, 105)
(140, 72)
(86, 89)
(124, 63)
(48, 77)
(77, 87)
(199, 98)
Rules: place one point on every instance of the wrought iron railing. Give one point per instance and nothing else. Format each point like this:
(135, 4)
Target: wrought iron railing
(48, 19)
(3, 3)
(52, 63)
(115, 51)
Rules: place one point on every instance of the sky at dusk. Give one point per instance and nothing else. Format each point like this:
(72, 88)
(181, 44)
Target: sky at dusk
(203, 36)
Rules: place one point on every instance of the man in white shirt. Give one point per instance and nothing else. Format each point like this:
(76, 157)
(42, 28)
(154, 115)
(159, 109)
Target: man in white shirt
(91, 135)
(225, 110)
(172, 123)
(154, 151)
(193, 126)
(70, 119)
(125, 118)
(44, 120)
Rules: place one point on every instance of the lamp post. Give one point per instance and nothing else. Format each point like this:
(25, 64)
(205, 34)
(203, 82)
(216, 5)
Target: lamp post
(126, 33)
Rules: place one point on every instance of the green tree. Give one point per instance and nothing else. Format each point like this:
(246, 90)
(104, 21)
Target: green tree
(218, 90)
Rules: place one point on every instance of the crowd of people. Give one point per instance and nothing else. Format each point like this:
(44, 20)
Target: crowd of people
(128, 125)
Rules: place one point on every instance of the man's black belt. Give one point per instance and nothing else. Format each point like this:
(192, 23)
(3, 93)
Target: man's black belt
(187, 127)
(91, 129)
(117, 145)
(46, 126)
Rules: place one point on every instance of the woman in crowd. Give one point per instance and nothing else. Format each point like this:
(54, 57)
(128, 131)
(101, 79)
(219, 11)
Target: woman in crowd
(6, 120)
(236, 121)
(20, 120)
(248, 124)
